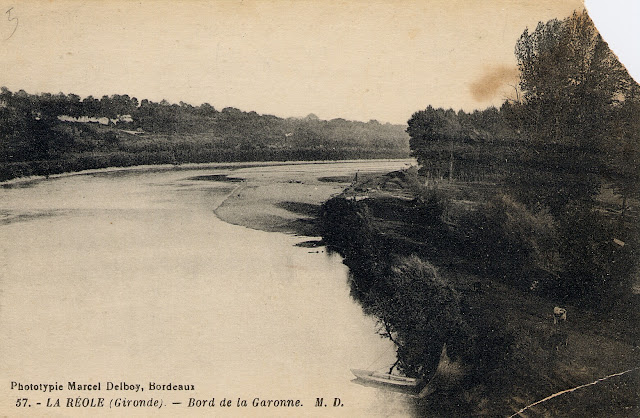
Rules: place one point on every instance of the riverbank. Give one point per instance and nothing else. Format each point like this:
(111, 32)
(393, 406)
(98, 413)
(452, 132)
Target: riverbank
(288, 201)
(520, 354)
(53, 143)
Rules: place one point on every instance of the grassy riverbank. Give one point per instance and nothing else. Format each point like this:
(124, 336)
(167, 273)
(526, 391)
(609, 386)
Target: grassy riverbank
(519, 355)
(522, 354)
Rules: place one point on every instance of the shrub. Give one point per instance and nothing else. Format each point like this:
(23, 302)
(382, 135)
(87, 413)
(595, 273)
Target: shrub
(513, 242)
(596, 269)
(419, 312)
(347, 228)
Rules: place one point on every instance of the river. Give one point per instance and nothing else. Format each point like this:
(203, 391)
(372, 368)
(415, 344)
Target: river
(129, 276)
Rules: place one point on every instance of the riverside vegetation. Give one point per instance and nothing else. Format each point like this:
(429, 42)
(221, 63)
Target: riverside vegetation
(54, 133)
(512, 212)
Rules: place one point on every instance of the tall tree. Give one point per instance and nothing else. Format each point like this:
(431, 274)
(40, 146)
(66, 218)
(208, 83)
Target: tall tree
(429, 126)
(572, 88)
(569, 79)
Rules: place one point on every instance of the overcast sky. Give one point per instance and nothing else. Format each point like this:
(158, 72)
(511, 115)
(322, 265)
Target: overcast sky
(353, 59)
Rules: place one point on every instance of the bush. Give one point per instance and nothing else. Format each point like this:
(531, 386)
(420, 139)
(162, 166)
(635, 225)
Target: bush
(512, 242)
(571, 256)
(419, 312)
(596, 269)
(347, 228)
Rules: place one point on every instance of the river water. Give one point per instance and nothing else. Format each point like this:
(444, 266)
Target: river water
(128, 276)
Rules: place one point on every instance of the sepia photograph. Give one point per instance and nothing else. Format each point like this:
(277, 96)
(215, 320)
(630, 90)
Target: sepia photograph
(305, 208)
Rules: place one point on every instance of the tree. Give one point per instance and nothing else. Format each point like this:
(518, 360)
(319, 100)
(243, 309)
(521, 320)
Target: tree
(622, 149)
(206, 110)
(91, 107)
(348, 227)
(568, 75)
(572, 86)
(429, 126)
(108, 108)
(579, 109)
(420, 312)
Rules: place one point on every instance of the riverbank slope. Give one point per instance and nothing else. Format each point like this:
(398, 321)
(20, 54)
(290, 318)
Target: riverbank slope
(521, 354)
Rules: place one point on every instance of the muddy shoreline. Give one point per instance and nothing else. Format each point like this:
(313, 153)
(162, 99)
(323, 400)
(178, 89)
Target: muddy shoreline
(288, 201)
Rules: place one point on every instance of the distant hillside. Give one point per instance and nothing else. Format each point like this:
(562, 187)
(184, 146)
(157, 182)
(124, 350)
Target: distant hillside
(45, 134)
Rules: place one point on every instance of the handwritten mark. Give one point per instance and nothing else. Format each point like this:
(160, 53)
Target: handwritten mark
(11, 19)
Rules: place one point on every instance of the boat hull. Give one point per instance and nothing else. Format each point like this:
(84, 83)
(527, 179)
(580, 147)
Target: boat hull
(386, 379)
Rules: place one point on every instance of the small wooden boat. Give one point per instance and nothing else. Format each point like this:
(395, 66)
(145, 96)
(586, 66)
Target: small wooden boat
(368, 376)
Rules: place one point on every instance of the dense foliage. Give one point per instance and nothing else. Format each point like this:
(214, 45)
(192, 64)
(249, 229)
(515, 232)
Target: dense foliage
(43, 134)
(539, 196)
(572, 130)
(415, 306)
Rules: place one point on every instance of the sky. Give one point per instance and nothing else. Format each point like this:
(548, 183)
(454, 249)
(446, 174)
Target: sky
(355, 59)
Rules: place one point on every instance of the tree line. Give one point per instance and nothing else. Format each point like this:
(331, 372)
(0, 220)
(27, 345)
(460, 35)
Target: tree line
(572, 131)
(50, 133)
(573, 126)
